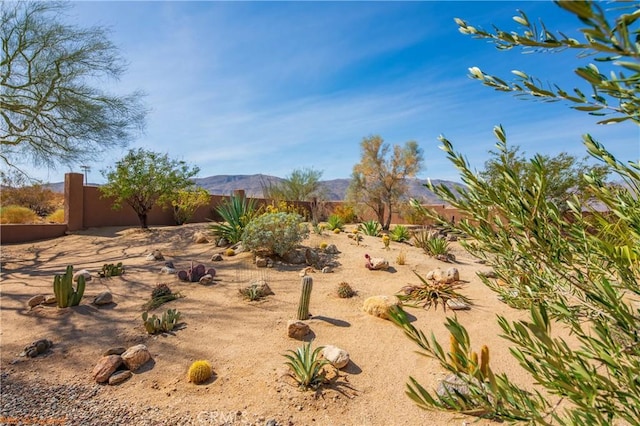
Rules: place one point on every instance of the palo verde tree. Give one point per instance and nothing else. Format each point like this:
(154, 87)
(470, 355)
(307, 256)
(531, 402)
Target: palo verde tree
(379, 180)
(144, 178)
(301, 185)
(570, 270)
(564, 173)
(52, 107)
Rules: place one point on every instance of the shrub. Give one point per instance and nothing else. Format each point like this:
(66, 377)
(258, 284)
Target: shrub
(307, 366)
(56, 217)
(431, 242)
(370, 227)
(187, 201)
(236, 212)
(40, 200)
(160, 294)
(400, 234)
(274, 233)
(402, 257)
(346, 213)
(335, 222)
(17, 214)
(430, 294)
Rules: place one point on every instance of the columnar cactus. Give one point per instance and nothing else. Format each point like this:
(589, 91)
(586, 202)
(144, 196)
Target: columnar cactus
(66, 295)
(303, 308)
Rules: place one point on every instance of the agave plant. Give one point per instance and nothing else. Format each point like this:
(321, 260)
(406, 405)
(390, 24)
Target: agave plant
(307, 366)
(335, 222)
(370, 227)
(400, 234)
(431, 294)
(236, 213)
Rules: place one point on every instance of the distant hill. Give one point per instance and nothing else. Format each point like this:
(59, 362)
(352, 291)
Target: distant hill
(252, 186)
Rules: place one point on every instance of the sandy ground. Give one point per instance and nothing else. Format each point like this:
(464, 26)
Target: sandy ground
(243, 340)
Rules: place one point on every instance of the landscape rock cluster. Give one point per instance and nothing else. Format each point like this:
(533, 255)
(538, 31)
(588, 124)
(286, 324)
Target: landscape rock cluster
(118, 364)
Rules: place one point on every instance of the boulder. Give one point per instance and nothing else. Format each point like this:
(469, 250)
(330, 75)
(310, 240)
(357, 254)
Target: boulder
(119, 377)
(331, 249)
(114, 351)
(105, 367)
(82, 272)
(103, 298)
(339, 358)
(36, 300)
(200, 237)
(136, 356)
(263, 287)
(297, 329)
(379, 306)
(311, 257)
(449, 276)
(262, 262)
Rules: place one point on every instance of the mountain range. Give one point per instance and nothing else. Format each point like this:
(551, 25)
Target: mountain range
(252, 185)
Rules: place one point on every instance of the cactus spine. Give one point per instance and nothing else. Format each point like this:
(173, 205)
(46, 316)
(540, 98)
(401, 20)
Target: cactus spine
(303, 308)
(66, 295)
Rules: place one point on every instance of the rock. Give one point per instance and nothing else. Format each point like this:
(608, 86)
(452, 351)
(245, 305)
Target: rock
(263, 287)
(200, 237)
(379, 306)
(261, 262)
(452, 385)
(169, 264)
(430, 275)
(294, 257)
(304, 272)
(326, 270)
(451, 237)
(331, 249)
(206, 279)
(114, 351)
(457, 305)
(216, 257)
(445, 257)
(376, 263)
(103, 298)
(311, 257)
(119, 377)
(297, 329)
(135, 357)
(167, 270)
(449, 276)
(105, 367)
(222, 242)
(36, 300)
(155, 255)
(82, 272)
(36, 348)
(271, 422)
(339, 358)
(487, 273)
(50, 300)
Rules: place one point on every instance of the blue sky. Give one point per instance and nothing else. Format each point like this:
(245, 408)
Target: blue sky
(268, 87)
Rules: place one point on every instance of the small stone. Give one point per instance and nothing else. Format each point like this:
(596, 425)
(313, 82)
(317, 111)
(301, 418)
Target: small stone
(105, 367)
(206, 279)
(326, 270)
(169, 264)
(119, 377)
(331, 249)
(36, 300)
(297, 329)
(263, 287)
(103, 298)
(200, 237)
(304, 272)
(430, 275)
(271, 422)
(50, 300)
(488, 273)
(457, 305)
(449, 276)
(451, 237)
(167, 270)
(114, 351)
(155, 255)
(339, 358)
(222, 242)
(82, 272)
(379, 306)
(135, 357)
(261, 262)
(216, 257)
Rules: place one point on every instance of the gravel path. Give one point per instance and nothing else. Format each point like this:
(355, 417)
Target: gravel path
(38, 404)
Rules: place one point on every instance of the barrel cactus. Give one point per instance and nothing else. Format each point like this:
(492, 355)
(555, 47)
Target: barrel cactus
(199, 372)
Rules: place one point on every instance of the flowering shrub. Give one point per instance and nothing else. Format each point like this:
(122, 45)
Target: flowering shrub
(274, 233)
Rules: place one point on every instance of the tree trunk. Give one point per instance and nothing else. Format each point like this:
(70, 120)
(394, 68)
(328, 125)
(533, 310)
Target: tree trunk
(387, 222)
(142, 217)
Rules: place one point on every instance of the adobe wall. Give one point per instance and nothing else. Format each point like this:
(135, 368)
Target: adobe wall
(11, 233)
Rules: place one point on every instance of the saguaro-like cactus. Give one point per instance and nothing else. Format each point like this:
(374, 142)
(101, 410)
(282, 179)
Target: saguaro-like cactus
(303, 308)
(66, 295)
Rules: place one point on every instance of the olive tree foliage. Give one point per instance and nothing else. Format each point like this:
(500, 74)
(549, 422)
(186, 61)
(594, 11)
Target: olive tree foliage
(52, 107)
(574, 270)
(379, 180)
(144, 178)
(564, 172)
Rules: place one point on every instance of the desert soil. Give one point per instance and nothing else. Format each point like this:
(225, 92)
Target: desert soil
(243, 340)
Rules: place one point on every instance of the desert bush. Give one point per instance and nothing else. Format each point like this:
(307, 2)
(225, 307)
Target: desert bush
(346, 213)
(37, 198)
(370, 227)
(236, 212)
(401, 259)
(432, 243)
(186, 202)
(56, 217)
(274, 233)
(431, 293)
(17, 214)
(282, 206)
(345, 291)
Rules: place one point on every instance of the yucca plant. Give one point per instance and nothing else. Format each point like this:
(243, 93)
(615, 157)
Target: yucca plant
(400, 234)
(370, 227)
(236, 213)
(335, 222)
(431, 294)
(307, 366)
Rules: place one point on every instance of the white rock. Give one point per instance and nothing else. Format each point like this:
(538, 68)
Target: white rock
(339, 358)
(379, 306)
(82, 272)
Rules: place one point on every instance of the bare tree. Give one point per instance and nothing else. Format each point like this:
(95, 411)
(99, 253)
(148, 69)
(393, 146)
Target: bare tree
(52, 109)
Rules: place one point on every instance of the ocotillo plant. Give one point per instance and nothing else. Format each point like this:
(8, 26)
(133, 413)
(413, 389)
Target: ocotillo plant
(303, 308)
